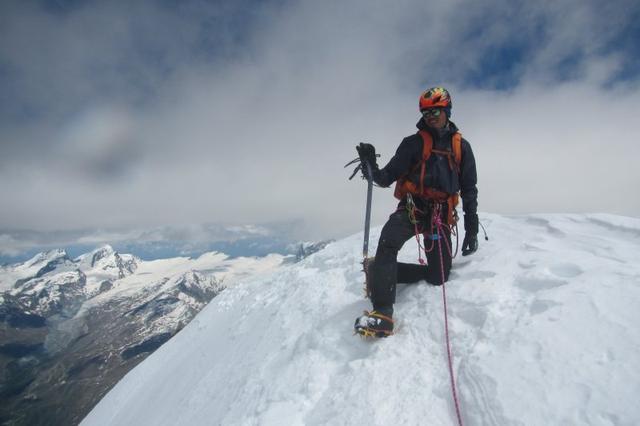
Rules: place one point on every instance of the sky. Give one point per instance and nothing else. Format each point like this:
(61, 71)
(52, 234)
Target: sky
(132, 115)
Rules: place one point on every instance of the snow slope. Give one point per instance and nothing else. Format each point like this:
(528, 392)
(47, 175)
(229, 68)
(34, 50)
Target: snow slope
(543, 321)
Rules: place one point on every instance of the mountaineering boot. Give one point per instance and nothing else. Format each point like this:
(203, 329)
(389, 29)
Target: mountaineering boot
(374, 324)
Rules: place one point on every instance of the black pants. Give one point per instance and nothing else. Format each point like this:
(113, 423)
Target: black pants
(384, 272)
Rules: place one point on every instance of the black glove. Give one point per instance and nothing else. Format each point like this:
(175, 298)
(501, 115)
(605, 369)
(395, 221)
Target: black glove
(367, 154)
(470, 243)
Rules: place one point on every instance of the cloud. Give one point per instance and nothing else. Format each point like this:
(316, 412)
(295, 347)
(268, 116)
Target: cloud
(164, 114)
(9, 246)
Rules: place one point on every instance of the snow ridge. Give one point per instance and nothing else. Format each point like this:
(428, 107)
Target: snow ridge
(543, 322)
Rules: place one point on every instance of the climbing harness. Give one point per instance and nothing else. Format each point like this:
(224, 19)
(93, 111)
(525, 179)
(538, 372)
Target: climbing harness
(412, 210)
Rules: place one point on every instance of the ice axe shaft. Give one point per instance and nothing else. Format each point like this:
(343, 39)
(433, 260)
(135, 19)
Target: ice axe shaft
(367, 217)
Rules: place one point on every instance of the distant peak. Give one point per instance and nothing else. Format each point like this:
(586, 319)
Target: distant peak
(55, 253)
(101, 253)
(47, 256)
(105, 248)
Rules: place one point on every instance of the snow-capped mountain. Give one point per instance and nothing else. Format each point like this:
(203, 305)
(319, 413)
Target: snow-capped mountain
(53, 284)
(71, 328)
(543, 322)
(41, 264)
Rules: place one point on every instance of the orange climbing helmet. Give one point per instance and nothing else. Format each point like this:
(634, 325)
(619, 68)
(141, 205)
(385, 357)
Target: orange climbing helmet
(436, 97)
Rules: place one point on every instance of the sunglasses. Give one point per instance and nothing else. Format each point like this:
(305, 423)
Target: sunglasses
(432, 112)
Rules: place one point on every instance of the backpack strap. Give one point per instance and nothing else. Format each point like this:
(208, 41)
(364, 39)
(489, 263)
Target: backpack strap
(456, 141)
(427, 146)
(427, 149)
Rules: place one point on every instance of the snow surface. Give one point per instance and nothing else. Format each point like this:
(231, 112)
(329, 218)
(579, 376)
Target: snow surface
(543, 321)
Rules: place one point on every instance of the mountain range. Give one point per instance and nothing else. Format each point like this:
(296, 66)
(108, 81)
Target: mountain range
(70, 328)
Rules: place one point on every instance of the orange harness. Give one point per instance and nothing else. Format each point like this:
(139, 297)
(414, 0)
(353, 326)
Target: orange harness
(404, 186)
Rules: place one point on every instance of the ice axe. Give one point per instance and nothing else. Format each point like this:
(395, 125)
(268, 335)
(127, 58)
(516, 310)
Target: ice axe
(367, 217)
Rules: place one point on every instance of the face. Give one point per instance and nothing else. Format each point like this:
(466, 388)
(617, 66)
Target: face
(435, 117)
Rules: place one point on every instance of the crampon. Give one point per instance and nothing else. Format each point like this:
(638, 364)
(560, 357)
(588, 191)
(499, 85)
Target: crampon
(373, 325)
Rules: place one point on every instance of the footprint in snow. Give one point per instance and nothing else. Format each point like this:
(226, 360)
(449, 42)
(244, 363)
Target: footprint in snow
(482, 275)
(539, 306)
(544, 223)
(471, 314)
(537, 221)
(531, 247)
(534, 284)
(565, 270)
(527, 264)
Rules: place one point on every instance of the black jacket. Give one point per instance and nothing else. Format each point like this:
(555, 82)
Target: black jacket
(439, 175)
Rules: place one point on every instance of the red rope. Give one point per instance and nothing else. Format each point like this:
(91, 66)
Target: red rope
(438, 222)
